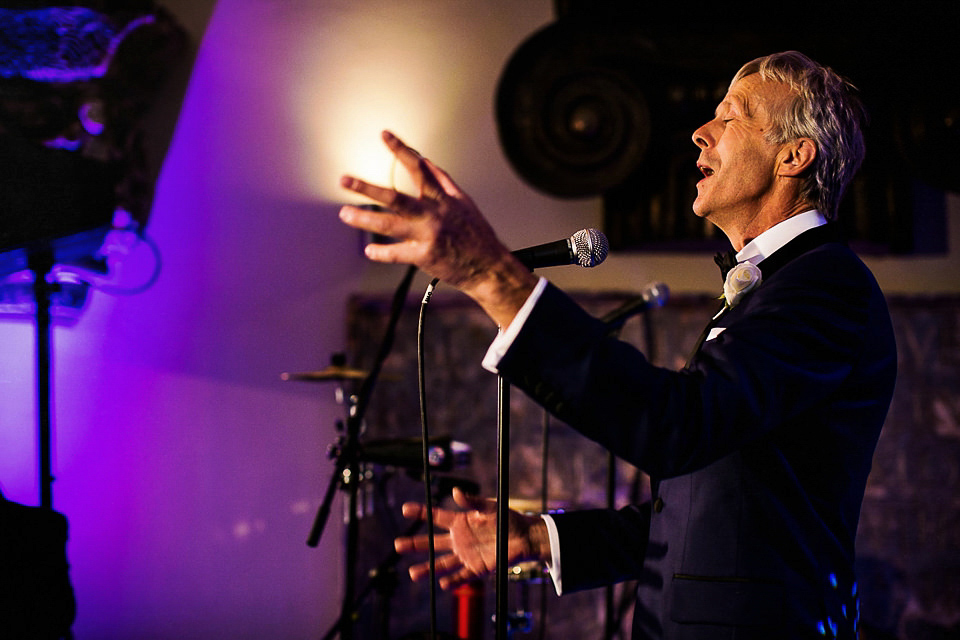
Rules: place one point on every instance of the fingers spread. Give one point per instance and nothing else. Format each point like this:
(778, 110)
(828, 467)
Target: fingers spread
(444, 180)
(396, 201)
(374, 192)
(401, 228)
(421, 170)
(407, 156)
(414, 510)
(445, 565)
(406, 544)
(374, 221)
(456, 579)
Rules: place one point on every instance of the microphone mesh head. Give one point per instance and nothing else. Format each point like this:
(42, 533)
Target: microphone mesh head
(590, 247)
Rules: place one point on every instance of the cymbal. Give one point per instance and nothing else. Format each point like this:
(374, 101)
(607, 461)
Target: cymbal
(333, 372)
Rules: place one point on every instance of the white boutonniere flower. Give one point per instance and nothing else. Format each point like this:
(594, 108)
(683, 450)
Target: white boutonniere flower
(741, 280)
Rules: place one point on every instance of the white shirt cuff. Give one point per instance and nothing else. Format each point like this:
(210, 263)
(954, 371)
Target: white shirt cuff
(503, 341)
(553, 565)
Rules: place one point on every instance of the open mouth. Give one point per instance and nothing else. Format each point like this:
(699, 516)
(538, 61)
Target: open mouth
(705, 170)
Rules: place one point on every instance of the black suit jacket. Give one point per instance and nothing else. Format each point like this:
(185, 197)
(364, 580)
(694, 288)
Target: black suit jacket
(760, 449)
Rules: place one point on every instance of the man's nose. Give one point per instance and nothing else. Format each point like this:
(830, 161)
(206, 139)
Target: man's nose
(702, 138)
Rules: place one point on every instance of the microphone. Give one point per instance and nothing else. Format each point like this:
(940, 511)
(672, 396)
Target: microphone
(443, 454)
(653, 295)
(587, 248)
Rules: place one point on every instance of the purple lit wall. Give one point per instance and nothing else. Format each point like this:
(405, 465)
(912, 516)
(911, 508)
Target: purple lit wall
(189, 472)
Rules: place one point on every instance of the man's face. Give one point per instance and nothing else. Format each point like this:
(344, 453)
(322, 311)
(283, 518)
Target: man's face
(738, 164)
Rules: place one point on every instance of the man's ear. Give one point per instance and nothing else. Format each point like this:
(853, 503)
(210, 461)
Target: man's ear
(796, 157)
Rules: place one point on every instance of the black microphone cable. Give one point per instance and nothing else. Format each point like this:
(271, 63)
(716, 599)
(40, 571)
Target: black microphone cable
(425, 436)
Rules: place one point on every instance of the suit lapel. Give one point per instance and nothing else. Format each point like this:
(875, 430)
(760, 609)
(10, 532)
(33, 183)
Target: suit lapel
(806, 241)
(706, 331)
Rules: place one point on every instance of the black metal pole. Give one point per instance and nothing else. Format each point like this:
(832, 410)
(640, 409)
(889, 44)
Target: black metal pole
(41, 263)
(503, 505)
(353, 529)
(610, 619)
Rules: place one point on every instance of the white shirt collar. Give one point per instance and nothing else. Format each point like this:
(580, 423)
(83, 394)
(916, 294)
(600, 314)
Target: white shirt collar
(778, 235)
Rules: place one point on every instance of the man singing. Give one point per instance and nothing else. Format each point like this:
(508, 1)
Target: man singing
(759, 449)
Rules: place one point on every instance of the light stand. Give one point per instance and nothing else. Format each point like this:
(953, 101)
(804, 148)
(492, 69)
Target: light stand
(41, 263)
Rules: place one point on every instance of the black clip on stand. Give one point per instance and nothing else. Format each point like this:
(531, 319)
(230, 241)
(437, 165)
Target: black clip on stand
(347, 471)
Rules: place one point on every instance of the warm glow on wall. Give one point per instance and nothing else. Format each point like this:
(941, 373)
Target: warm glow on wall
(386, 69)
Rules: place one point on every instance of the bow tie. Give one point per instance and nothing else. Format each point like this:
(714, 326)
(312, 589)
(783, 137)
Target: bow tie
(726, 261)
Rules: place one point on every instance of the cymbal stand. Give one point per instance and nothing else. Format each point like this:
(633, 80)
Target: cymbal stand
(347, 467)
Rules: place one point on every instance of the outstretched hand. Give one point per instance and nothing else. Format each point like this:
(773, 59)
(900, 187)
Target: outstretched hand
(471, 540)
(441, 231)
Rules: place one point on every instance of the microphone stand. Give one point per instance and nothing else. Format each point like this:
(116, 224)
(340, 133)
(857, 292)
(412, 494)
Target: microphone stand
(615, 321)
(347, 466)
(610, 621)
(503, 506)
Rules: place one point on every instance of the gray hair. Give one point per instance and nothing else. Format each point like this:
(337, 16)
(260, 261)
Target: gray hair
(824, 108)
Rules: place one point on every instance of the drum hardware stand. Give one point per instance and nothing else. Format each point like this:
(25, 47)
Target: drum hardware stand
(382, 580)
(347, 467)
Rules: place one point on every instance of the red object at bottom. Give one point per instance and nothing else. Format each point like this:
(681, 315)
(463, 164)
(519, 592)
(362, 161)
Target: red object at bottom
(468, 611)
